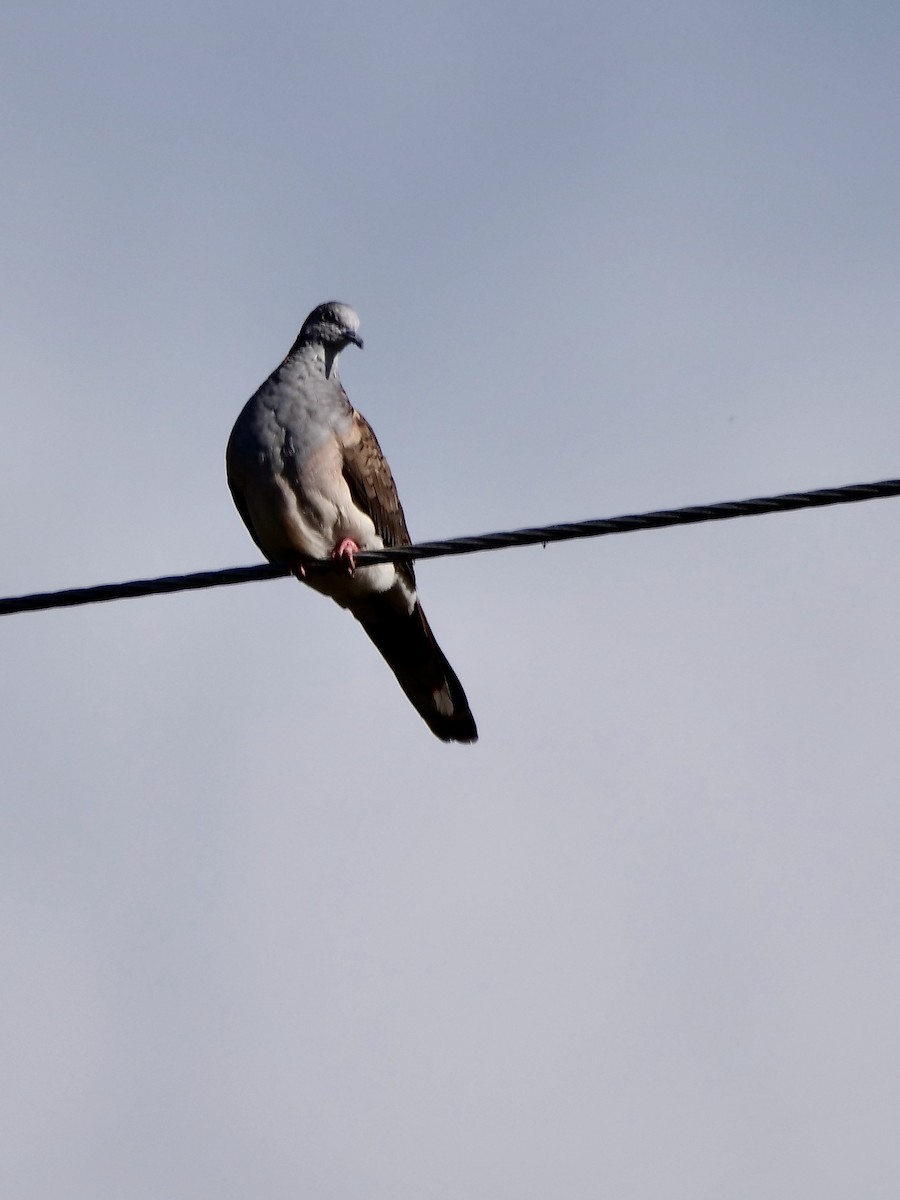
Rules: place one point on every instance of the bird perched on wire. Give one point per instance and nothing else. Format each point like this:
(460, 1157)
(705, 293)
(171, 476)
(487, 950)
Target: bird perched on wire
(310, 482)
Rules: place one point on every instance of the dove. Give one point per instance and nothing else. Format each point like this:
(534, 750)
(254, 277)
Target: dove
(310, 482)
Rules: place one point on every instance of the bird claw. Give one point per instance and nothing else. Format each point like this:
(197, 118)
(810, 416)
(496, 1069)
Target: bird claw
(344, 555)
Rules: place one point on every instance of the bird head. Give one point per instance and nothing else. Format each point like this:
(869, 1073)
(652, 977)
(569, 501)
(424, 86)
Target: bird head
(332, 325)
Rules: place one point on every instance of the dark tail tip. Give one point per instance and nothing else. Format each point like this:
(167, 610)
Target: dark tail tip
(408, 646)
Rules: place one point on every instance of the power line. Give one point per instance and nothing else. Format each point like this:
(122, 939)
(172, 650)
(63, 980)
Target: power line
(539, 535)
(140, 587)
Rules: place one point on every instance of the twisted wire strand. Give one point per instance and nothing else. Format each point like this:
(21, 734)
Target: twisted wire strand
(539, 535)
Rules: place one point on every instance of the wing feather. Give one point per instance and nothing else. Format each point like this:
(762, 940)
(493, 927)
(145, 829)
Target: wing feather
(372, 486)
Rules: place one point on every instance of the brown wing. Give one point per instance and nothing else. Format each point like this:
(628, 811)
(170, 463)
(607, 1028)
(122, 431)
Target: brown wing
(372, 486)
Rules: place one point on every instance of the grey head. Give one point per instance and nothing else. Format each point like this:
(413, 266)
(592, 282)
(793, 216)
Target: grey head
(333, 326)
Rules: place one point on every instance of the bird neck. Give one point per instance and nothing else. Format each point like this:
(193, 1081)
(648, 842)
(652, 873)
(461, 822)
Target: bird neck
(316, 358)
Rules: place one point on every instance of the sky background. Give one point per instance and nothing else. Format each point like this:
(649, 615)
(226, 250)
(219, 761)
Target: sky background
(262, 934)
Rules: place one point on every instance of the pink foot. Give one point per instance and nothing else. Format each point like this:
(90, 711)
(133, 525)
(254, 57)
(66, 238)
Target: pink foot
(344, 555)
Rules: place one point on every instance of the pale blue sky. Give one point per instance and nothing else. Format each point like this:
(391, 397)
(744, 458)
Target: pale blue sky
(262, 934)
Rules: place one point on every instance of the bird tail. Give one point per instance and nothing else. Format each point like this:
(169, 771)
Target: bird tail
(409, 648)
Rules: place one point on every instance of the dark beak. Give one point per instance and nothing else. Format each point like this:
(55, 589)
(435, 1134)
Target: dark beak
(356, 339)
